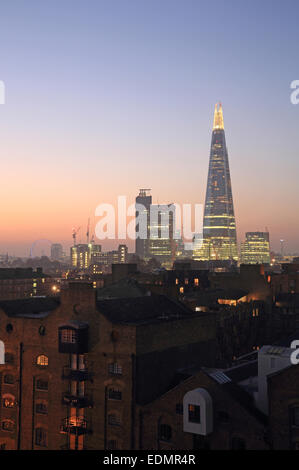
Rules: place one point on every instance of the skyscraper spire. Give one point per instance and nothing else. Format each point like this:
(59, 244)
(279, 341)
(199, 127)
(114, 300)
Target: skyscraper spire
(219, 227)
(218, 117)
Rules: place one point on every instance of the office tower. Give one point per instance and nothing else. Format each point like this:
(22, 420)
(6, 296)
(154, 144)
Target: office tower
(56, 252)
(80, 256)
(161, 241)
(95, 253)
(256, 248)
(143, 203)
(122, 253)
(219, 227)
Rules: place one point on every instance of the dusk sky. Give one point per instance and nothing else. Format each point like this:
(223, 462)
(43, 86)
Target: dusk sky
(106, 97)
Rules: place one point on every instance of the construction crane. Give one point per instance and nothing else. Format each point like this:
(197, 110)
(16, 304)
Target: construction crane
(74, 235)
(87, 231)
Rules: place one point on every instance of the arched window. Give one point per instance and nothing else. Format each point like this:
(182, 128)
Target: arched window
(8, 379)
(41, 437)
(8, 425)
(165, 432)
(8, 401)
(42, 360)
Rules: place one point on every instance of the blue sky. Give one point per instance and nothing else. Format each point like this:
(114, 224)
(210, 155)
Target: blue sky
(104, 97)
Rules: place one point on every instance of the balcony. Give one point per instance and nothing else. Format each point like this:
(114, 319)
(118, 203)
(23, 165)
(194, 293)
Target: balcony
(76, 401)
(75, 425)
(79, 375)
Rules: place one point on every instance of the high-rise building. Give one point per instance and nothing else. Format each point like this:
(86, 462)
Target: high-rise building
(143, 204)
(219, 227)
(56, 252)
(256, 248)
(80, 256)
(161, 241)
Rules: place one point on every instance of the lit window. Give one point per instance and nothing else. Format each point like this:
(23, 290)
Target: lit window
(8, 401)
(42, 360)
(196, 281)
(68, 336)
(181, 290)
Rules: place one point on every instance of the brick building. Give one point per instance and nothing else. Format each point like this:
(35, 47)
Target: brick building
(77, 368)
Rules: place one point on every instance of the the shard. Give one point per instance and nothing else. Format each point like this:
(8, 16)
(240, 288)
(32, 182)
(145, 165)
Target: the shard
(219, 226)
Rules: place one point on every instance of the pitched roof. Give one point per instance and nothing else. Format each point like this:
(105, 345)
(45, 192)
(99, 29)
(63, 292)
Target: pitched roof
(35, 307)
(141, 310)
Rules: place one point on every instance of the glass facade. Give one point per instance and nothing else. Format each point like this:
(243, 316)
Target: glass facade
(256, 248)
(219, 226)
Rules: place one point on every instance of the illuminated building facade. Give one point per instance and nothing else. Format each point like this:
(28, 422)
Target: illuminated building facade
(161, 241)
(80, 256)
(256, 248)
(219, 226)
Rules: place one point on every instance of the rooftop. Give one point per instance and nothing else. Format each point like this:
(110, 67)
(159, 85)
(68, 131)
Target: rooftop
(142, 310)
(36, 307)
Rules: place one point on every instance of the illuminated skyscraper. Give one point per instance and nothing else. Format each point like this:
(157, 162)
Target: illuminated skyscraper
(256, 248)
(219, 226)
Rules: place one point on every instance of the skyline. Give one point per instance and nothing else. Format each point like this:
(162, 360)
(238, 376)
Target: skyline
(115, 99)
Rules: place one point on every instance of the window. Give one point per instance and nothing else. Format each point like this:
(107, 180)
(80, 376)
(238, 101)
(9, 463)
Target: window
(8, 425)
(8, 379)
(42, 360)
(112, 445)
(223, 417)
(9, 358)
(9, 328)
(8, 401)
(194, 413)
(179, 408)
(113, 420)
(41, 384)
(295, 416)
(41, 408)
(165, 432)
(196, 281)
(68, 336)
(114, 394)
(238, 444)
(41, 437)
(115, 369)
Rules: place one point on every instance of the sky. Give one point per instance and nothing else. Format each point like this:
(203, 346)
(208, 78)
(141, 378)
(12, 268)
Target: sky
(104, 97)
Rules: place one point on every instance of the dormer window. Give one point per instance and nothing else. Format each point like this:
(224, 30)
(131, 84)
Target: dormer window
(68, 336)
(73, 338)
